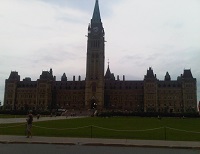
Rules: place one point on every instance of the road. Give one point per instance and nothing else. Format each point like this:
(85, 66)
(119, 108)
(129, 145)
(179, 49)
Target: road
(78, 149)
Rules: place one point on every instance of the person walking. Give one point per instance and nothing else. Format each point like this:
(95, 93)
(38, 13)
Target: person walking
(29, 124)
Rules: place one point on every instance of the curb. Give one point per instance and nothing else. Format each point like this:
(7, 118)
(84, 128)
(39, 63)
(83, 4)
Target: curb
(32, 142)
(99, 144)
(143, 146)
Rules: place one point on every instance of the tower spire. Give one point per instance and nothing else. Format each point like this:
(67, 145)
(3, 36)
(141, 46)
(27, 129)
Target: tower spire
(94, 87)
(96, 18)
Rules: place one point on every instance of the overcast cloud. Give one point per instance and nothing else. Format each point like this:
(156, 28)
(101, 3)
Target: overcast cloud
(37, 35)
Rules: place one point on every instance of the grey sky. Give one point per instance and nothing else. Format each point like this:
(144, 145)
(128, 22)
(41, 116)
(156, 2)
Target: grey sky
(37, 35)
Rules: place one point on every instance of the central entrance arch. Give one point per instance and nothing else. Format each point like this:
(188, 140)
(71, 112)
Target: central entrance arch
(93, 104)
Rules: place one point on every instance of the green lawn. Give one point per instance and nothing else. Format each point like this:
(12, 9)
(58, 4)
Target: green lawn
(116, 127)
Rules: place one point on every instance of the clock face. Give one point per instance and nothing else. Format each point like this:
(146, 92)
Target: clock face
(95, 29)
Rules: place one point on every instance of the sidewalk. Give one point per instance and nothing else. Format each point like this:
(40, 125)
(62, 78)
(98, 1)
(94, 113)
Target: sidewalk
(23, 120)
(99, 142)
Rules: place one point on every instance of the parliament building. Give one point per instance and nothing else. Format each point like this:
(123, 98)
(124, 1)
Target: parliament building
(100, 89)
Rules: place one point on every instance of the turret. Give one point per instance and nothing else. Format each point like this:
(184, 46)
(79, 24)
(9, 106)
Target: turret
(47, 75)
(167, 77)
(51, 72)
(14, 76)
(64, 77)
(150, 74)
(187, 74)
(109, 75)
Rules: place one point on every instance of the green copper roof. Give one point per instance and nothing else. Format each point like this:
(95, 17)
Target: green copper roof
(96, 18)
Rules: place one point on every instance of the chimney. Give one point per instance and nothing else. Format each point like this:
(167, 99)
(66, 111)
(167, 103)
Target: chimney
(123, 77)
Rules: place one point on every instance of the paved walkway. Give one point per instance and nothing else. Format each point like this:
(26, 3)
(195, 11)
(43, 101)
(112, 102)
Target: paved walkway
(98, 142)
(23, 120)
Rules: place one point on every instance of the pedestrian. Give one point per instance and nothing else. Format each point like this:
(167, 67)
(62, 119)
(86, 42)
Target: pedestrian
(29, 124)
(38, 116)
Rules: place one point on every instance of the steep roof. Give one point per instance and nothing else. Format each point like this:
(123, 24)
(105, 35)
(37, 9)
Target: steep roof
(14, 76)
(64, 77)
(150, 74)
(109, 75)
(187, 74)
(96, 18)
(46, 75)
(167, 77)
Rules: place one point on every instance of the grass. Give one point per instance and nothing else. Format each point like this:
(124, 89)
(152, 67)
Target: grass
(115, 127)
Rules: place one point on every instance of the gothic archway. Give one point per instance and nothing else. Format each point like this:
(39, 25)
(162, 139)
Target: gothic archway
(93, 104)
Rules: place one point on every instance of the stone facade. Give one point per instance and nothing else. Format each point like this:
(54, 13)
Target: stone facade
(102, 90)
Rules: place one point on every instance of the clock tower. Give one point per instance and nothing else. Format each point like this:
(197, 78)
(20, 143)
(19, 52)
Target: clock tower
(94, 90)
